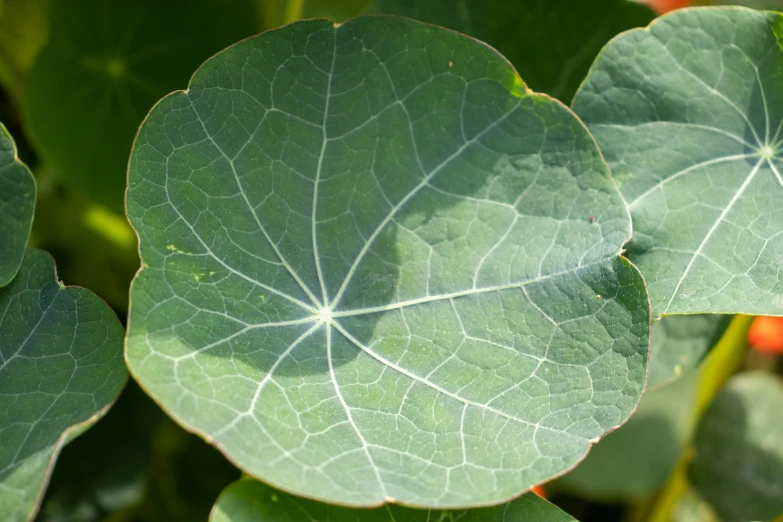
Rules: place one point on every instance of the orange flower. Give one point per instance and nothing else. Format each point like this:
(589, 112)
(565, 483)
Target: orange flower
(664, 6)
(538, 490)
(766, 334)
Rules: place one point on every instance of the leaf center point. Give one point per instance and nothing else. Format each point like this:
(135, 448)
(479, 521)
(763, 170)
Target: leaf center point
(767, 152)
(325, 314)
(115, 68)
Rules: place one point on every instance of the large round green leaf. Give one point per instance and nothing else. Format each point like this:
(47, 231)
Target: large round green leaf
(550, 42)
(376, 268)
(17, 202)
(105, 64)
(60, 367)
(689, 113)
(251, 501)
(738, 464)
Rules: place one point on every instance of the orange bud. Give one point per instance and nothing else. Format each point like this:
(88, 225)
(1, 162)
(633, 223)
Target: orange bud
(538, 490)
(766, 334)
(664, 6)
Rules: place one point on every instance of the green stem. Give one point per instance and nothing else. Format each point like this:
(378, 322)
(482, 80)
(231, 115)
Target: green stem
(721, 363)
(293, 11)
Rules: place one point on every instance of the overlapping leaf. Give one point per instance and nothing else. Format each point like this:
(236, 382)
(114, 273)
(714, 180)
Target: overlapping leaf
(105, 65)
(679, 343)
(378, 269)
(738, 464)
(60, 367)
(17, 202)
(551, 42)
(136, 464)
(689, 115)
(616, 468)
(633, 462)
(251, 501)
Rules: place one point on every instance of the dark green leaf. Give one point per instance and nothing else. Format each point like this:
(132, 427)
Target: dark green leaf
(689, 113)
(370, 269)
(679, 343)
(17, 201)
(105, 65)
(252, 501)
(61, 366)
(551, 42)
(160, 474)
(93, 479)
(738, 467)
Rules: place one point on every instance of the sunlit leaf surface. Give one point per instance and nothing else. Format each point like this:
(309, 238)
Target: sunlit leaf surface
(377, 269)
(689, 115)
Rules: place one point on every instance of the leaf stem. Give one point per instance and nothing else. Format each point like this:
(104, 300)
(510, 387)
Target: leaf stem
(720, 364)
(293, 11)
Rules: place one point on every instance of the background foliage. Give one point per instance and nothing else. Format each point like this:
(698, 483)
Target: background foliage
(77, 77)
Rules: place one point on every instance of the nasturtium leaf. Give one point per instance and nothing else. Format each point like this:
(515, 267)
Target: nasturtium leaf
(17, 202)
(738, 463)
(689, 115)
(622, 466)
(105, 64)
(60, 368)
(678, 344)
(550, 42)
(251, 501)
(376, 268)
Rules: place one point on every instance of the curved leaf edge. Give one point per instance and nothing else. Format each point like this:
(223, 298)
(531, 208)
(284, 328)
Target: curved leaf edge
(523, 90)
(243, 483)
(73, 431)
(718, 335)
(4, 133)
(65, 438)
(648, 28)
